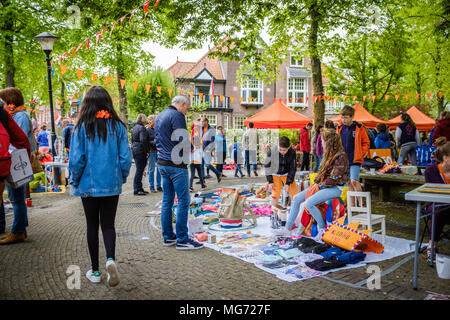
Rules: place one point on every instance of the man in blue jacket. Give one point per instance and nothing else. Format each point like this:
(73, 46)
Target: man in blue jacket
(174, 146)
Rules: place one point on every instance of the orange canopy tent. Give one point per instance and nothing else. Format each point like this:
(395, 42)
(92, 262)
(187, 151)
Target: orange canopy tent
(422, 121)
(278, 116)
(363, 116)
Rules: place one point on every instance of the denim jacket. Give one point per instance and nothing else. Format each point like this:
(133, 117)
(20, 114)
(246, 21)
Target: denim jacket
(23, 120)
(99, 169)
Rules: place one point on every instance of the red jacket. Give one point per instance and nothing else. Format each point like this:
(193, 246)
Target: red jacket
(17, 137)
(442, 130)
(305, 142)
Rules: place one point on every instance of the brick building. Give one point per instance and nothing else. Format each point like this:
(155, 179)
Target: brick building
(232, 103)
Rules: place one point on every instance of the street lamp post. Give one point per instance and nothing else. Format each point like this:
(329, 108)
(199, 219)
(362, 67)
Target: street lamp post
(46, 39)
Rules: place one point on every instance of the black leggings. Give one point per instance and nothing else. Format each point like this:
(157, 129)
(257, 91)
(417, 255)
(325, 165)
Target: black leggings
(305, 161)
(101, 209)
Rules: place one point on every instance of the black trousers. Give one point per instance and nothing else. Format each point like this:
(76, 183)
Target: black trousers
(305, 161)
(100, 211)
(197, 167)
(140, 160)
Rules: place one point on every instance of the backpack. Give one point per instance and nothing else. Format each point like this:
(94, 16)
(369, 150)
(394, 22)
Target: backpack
(5, 156)
(373, 163)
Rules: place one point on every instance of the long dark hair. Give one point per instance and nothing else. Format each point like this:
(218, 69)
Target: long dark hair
(318, 131)
(407, 118)
(96, 99)
(333, 147)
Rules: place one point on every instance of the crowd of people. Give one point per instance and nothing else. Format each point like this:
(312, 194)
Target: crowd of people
(100, 158)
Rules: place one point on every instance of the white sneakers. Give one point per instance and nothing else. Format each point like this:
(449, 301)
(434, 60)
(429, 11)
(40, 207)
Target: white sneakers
(112, 274)
(94, 277)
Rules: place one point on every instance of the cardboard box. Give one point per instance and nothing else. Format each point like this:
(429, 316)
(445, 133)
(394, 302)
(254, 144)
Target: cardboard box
(21, 171)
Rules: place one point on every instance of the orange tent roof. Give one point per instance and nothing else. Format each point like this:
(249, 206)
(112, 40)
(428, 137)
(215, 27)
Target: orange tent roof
(278, 116)
(363, 116)
(422, 121)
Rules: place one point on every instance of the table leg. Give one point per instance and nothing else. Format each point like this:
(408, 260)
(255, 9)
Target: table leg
(416, 253)
(432, 236)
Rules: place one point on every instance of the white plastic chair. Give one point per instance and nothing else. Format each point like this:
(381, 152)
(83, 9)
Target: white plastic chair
(361, 212)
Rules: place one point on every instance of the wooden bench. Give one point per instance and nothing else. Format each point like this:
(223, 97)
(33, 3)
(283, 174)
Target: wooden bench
(385, 181)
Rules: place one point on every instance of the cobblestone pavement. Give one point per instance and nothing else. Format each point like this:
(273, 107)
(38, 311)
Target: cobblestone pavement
(36, 269)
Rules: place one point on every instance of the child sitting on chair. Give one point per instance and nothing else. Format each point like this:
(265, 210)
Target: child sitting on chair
(333, 171)
(280, 167)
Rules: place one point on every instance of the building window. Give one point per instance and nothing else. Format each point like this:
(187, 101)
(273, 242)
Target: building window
(238, 122)
(296, 61)
(212, 119)
(297, 90)
(226, 122)
(252, 91)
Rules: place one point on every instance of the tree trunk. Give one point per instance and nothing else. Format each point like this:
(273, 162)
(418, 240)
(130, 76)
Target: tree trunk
(7, 30)
(316, 66)
(122, 91)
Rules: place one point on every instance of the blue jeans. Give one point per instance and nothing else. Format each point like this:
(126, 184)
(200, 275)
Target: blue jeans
(250, 155)
(175, 180)
(17, 198)
(153, 157)
(310, 204)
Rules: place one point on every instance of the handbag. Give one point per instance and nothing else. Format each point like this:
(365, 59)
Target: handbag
(376, 163)
(35, 163)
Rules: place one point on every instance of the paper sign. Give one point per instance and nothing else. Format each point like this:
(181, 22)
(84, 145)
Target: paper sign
(384, 154)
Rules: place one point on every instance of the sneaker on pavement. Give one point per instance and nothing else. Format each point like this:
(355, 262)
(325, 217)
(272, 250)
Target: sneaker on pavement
(159, 189)
(152, 190)
(171, 242)
(189, 244)
(94, 277)
(113, 275)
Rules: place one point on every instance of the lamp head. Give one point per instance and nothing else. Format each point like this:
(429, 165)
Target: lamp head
(46, 39)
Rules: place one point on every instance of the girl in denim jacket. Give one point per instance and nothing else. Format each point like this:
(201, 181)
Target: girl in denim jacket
(100, 161)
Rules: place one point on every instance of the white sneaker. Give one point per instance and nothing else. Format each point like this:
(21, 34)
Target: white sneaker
(113, 275)
(94, 277)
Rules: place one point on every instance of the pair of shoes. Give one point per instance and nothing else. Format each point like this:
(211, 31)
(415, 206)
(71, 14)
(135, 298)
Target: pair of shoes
(159, 189)
(13, 238)
(236, 175)
(242, 175)
(189, 244)
(140, 193)
(208, 176)
(152, 190)
(112, 274)
(170, 242)
(255, 172)
(94, 277)
(146, 192)
(219, 178)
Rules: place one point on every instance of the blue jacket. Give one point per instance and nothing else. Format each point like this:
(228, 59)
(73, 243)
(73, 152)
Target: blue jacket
(382, 141)
(208, 138)
(42, 139)
(166, 123)
(23, 120)
(99, 169)
(221, 143)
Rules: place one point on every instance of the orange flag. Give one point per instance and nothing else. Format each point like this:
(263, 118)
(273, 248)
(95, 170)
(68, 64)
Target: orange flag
(441, 94)
(147, 87)
(429, 95)
(332, 101)
(314, 99)
(200, 95)
(354, 98)
(343, 98)
(274, 100)
(159, 91)
(267, 100)
(221, 98)
(122, 83)
(320, 98)
(396, 96)
(406, 97)
(335, 98)
(94, 77)
(301, 99)
(364, 98)
(386, 97)
(108, 80)
(181, 91)
(307, 98)
(417, 96)
(248, 99)
(170, 91)
(240, 99)
(211, 97)
(190, 92)
(79, 73)
(63, 69)
(135, 84)
(296, 99)
(231, 99)
(290, 100)
(373, 98)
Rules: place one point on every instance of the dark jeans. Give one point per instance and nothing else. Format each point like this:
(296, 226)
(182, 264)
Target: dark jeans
(198, 167)
(250, 156)
(211, 167)
(17, 198)
(100, 210)
(305, 161)
(140, 160)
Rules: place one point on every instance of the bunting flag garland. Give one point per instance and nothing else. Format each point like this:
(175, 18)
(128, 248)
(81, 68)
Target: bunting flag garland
(135, 84)
(314, 99)
(74, 50)
(181, 91)
(296, 99)
(200, 95)
(406, 97)
(307, 98)
(156, 3)
(417, 96)
(354, 98)
(122, 83)
(123, 18)
(248, 99)
(429, 95)
(386, 97)
(108, 80)
(343, 98)
(146, 8)
(170, 91)
(267, 100)
(396, 97)
(112, 28)
(364, 98)
(440, 94)
(221, 98)
(301, 99)
(274, 99)
(240, 99)
(63, 69)
(147, 87)
(373, 98)
(132, 14)
(231, 99)
(211, 96)
(94, 77)
(190, 92)
(159, 91)
(87, 44)
(79, 73)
